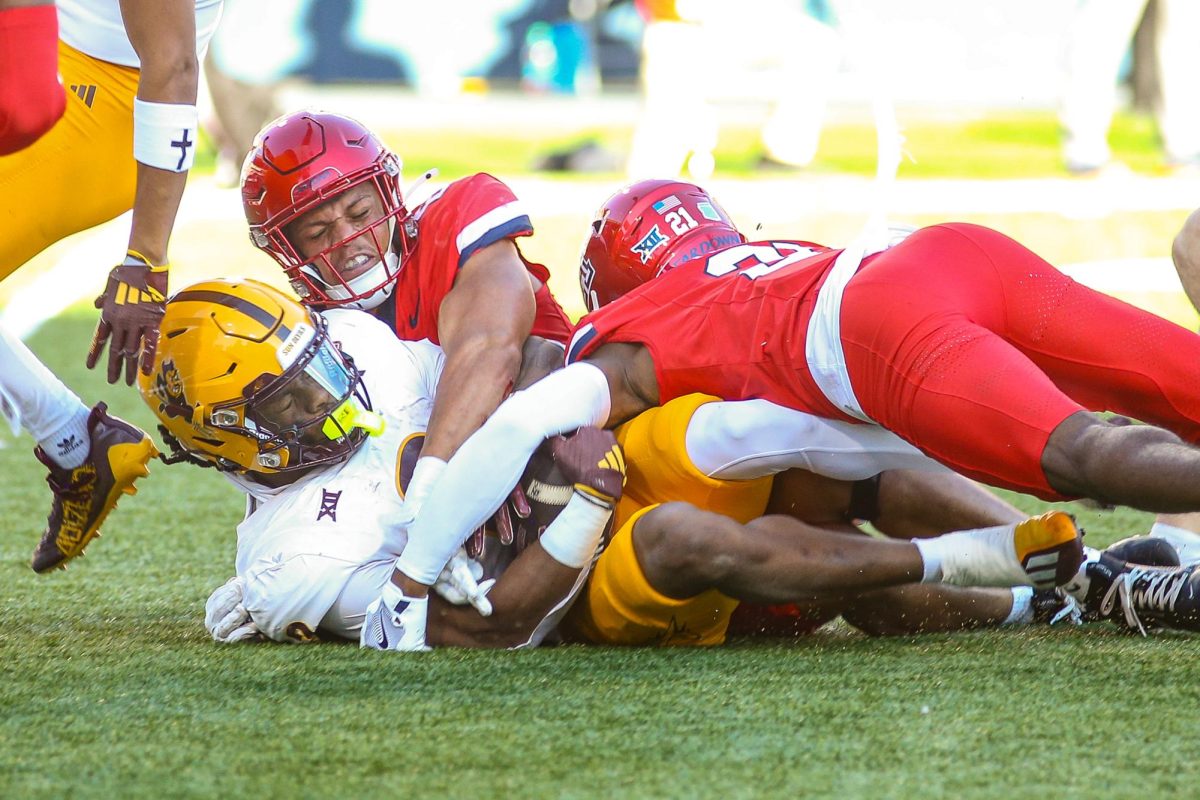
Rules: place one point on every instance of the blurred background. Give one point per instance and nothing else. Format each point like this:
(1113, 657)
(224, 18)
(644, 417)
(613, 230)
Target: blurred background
(1059, 122)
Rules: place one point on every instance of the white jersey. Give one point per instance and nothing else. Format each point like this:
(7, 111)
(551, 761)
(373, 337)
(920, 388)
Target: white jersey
(95, 27)
(315, 553)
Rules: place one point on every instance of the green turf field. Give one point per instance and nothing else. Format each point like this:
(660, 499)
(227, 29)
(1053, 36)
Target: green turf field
(111, 688)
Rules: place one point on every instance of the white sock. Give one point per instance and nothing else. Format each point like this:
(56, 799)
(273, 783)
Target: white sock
(1186, 543)
(978, 557)
(1022, 607)
(1173, 533)
(931, 561)
(70, 444)
(574, 536)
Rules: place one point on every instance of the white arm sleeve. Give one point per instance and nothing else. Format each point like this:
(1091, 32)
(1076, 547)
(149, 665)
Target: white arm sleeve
(489, 464)
(753, 438)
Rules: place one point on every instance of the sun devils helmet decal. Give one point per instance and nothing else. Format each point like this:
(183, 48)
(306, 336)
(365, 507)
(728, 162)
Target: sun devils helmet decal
(168, 388)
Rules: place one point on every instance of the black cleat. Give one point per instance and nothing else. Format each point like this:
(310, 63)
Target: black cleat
(1148, 551)
(1139, 597)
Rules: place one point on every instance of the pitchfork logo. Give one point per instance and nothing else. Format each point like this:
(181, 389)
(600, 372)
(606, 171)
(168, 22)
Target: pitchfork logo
(329, 504)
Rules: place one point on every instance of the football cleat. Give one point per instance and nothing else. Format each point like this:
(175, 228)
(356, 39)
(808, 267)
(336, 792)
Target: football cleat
(591, 459)
(1042, 552)
(1054, 606)
(1140, 597)
(1049, 548)
(1147, 551)
(84, 495)
(1185, 542)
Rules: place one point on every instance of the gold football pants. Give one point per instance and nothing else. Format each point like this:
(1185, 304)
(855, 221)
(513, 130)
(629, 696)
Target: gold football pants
(81, 173)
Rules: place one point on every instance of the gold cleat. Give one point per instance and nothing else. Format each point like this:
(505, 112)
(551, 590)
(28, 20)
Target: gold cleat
(84, 496)
(1049, 548)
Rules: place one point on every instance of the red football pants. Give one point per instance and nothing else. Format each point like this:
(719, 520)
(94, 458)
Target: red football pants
(975, 349)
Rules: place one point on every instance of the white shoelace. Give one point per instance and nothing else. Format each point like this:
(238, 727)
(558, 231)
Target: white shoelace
(1070, 612)
(1158, 592)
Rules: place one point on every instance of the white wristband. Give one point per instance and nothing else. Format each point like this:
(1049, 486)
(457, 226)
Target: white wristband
(164, 135)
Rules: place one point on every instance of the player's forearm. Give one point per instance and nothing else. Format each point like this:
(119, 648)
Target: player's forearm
(475, 379)
(489, 463)
(159, 191)
(154, 209)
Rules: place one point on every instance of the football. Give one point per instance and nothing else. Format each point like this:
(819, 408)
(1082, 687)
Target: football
(545, 492)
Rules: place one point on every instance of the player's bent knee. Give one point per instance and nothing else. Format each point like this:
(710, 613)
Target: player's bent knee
(1069, 450)
(679, 543)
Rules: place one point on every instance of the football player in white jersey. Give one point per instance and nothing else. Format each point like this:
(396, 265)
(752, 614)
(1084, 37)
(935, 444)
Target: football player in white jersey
(131, 69)
(315, 433)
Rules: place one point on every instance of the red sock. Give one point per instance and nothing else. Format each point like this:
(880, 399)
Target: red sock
(31, 94)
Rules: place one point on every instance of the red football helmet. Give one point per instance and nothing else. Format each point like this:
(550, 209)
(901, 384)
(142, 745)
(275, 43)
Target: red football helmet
(646, 229)
(302, 160)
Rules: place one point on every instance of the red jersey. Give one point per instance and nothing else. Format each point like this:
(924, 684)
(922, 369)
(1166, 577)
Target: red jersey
(732, 324)
(469, 214)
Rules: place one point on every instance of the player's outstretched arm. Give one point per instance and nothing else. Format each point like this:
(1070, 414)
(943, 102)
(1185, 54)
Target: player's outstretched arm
(163, 33)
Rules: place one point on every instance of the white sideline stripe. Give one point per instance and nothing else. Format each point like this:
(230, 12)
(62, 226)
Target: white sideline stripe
(79, 273)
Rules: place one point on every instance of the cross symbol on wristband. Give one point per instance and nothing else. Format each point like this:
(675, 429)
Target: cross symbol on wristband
(183, 144)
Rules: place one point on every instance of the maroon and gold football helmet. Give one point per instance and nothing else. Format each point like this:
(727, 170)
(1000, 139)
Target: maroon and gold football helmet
(302, 160)
(646, 229)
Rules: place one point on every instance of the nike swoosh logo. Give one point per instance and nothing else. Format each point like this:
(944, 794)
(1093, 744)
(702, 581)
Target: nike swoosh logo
(412, 321)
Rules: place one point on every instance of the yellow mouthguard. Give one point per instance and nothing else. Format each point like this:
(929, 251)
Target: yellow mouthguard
(348, 416)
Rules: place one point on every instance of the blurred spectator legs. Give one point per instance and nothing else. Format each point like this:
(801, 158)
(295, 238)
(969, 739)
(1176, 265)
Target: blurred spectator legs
(1098, 39)
(241, 110)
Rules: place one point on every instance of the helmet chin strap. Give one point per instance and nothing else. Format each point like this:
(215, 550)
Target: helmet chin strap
(373, 277)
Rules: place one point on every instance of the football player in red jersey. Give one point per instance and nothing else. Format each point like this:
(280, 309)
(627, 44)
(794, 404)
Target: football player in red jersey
(322, 196)
(958, 339)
